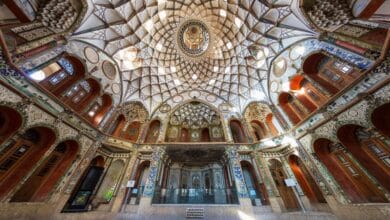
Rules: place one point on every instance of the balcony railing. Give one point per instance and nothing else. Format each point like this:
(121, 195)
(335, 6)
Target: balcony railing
(195, 196)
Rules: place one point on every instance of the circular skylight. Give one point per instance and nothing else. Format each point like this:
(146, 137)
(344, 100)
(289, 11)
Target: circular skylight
(193, 38)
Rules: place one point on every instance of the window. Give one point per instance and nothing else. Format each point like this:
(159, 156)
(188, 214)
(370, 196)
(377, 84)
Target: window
(58, 78)
(93, 110)
(331, 76)
(344, 68)
(79, 96)
(73, 91)
(12, 159)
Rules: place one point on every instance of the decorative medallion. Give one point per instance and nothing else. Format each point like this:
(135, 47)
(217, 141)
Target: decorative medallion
(109, 69)
(211, 98)
(178, 98)
(274, 86)
(194, 94)
(91, 55)
(116, 88)
(193, 38)
(165, 108)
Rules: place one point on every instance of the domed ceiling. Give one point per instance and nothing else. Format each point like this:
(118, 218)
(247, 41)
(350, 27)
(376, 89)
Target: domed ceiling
(165, 48)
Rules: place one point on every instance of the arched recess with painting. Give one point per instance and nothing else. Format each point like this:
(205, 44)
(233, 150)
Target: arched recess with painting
(140, 179)
(237, 131)
(10, 122)
(42, 182)
(286, 193)
(153, 132)
(83, 191)
(133, 130)
(21, 153)
(255, 189)
(369, 148)
(356, 185)
(305, 180)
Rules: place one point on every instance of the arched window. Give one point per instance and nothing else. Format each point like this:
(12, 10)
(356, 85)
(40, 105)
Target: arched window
(369, 149)
(305, 180)
(46, 176)
(80, 95)
(237, 131)
(349, 176)
(294, 109)
(330, 73)
(153, 132)
(10, 122)
(60, 75)
(140, 178)
(20, 154)
(286, 193)
(307, 93)
(81, 196)
(255, 189)
(99, 109)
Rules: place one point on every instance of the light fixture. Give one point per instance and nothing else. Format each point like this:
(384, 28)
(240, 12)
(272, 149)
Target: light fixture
(229, 45)
(286, 86)
(173, 69)
(227, 70)
(238, 22)
(148, 25)
(260, 63)
(300, 50)
(159, 46)
(161, 70)
(177, 82)
(194, 77)
(163, 15)
(212, 82)
(222, 13)
(216, 68)
(38, 75)
(91, 113)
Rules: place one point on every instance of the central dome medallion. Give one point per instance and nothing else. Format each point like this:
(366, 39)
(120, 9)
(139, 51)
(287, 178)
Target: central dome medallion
(193, 38)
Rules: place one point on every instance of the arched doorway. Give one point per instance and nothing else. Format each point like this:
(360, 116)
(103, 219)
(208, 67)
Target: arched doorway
(369, 149)
(380, 117)
(46, 176)
(255, 189)
(286, 193)
(353, 181)
(153, 132)
(305, 180)
(20, 155)
(237, 132)
(110, 182)
(270, 123)
(81, 197)
(140, 178)
(10, 122)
